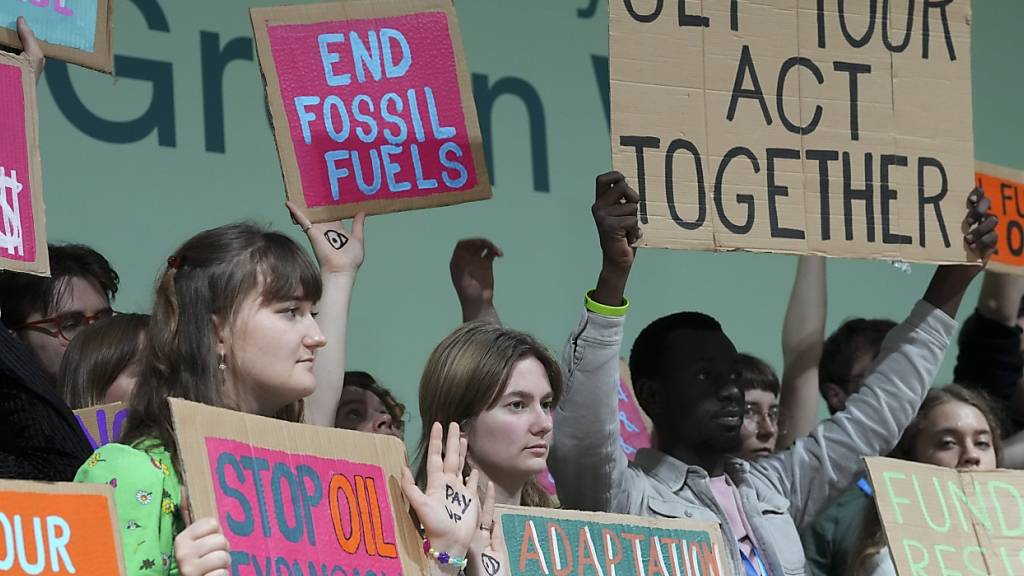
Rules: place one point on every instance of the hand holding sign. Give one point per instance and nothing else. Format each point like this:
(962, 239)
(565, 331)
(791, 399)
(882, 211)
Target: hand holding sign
(449, 509)
(949, 282)
(337, 250)
(33, 52)
(202, 550)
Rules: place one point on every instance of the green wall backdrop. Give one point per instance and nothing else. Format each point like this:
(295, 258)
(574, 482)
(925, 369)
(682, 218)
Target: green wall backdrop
(136, 199)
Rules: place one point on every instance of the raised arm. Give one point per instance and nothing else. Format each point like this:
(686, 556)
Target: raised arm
(340, 254)
(803, 336)
(472, 269)
(989, 356)
(586, 459)
(820, 465)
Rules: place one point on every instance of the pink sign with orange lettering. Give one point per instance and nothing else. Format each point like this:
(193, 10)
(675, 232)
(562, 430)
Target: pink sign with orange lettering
(22, 240)
(307, 514)
(372, 110)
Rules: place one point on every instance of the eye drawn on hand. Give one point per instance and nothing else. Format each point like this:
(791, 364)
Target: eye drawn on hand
(337, 239)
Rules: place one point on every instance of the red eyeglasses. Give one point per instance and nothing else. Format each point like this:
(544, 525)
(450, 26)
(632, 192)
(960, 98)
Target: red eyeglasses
(65, 326)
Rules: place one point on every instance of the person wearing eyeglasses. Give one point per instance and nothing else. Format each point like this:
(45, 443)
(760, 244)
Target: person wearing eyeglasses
(39, 437)
(47, 313)
(760, 387)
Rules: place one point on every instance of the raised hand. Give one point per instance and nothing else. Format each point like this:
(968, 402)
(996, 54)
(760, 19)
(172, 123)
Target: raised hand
(449, 508)
(618, 228)
(472, 270)
(487, 554)
(202, 550)
(947, 287)
(32, 51)
(339, 251)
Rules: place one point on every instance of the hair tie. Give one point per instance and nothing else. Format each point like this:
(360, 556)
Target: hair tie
(174, 262)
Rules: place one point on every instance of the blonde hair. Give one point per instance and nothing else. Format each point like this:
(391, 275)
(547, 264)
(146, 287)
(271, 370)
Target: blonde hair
(468, 373)
(871, 539)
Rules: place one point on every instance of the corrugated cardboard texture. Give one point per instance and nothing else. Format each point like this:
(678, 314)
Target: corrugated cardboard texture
(941, 521)
(1004, 187)
(76, 523)
(545, 541)
(284, 112)
(288, 459)
(19, 152)
(101, 54)
(102, 424)
(784, 168)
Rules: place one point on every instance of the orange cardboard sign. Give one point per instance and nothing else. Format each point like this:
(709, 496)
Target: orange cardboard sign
(1004, 188)
(58, 529)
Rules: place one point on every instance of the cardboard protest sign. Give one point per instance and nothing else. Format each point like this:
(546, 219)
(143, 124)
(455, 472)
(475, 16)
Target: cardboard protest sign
(829, 127)
(102, 424)
(51, 528)
(634, 426)
(545, 542)
(1004, 187)
(308, 498)
(371, 105)
(22, 224)
(941, 521)
(76, 31)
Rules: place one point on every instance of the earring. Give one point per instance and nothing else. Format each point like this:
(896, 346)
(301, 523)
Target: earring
(222, 366)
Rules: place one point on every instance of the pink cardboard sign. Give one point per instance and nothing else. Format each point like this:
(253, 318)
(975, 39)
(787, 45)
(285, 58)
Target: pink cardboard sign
(311, 515)
(634, 429)
(22, 229)
(371, 113)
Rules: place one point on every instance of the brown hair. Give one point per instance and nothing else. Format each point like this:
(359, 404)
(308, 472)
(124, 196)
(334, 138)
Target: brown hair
(756, 374)
(96, 357)
(364, 381)
(468, 373)
(871, 540)
(209, 277)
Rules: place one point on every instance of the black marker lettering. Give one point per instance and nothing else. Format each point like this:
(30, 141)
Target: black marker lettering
(823, 157)
(745, 68)
(702, 203)
(639, 143)
(853, 70)
(745, 199)
(866, 194)
(935, 201)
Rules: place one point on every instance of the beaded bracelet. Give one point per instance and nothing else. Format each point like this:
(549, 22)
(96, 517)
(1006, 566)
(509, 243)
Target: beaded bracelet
(444, 558)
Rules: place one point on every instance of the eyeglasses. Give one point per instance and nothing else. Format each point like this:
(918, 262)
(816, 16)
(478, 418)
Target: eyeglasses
(66, 326)
(753, 415)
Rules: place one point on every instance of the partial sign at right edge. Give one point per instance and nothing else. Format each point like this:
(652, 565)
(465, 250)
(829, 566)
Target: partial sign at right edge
(1004, 187)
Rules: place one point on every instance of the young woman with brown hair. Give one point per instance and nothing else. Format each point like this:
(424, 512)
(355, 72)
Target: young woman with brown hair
(233, 327)
(501, 386)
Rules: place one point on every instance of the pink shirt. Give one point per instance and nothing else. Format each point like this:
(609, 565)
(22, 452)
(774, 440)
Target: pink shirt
(728, 498)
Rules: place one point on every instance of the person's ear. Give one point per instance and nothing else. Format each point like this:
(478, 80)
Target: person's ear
(835, 397)
(649, 397)
(222, 331)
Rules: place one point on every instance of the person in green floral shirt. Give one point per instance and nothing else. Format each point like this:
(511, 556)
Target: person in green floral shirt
(233, 327)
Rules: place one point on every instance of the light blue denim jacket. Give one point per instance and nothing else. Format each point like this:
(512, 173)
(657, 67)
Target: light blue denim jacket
(778, 493)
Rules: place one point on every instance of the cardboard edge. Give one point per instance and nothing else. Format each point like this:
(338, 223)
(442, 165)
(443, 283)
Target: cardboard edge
(187, 416)
(41, 265)
(100, 59)
(37, 487)
(262, 18)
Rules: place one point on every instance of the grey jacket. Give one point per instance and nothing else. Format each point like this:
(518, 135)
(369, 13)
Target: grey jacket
(778, 493)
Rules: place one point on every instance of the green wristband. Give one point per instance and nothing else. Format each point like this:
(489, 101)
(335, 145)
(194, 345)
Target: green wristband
(605, 310)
